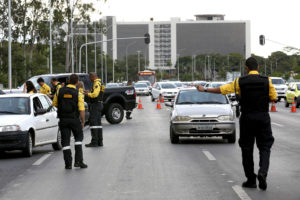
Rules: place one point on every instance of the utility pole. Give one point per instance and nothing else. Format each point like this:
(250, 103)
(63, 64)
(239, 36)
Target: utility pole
(9, 46)
(72, 39)
(265, 68)
(95, 48)
(86, 50)
(50, 35)
(139, 63)
(178, 67)
(113, 65)
(105, 69)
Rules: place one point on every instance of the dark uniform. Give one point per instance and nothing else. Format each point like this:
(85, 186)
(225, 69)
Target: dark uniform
(69, 102)
(95, 108)
(255, 92)
(55, 89)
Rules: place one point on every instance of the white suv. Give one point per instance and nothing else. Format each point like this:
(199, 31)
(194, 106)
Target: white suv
(27, 121)
(280, 87)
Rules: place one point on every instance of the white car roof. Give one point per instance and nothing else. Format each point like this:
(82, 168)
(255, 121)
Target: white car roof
(20, 95)
(276, 78)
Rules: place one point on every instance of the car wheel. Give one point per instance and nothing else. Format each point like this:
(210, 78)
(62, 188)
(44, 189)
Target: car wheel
(279, 99)
(173, 137)
(231, 138)
(29, 144)
(115, 113)
(57, 146)
(286, 104)
(152, 99)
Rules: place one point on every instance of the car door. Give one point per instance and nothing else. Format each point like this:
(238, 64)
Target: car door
(39, 122)
(157, 91)
(51, 127)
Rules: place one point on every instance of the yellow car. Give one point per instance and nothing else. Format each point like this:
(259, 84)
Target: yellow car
(293, 92)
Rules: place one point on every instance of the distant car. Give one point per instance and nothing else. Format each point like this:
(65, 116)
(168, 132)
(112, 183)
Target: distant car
(27, 121)
(179, 85)
(148, 84)
(292, 93)
(109, 85)
(141, 89)
(202, 83)
(214, 84)
(1, 92)
(280, 87)
(201, 114)
(166, 89)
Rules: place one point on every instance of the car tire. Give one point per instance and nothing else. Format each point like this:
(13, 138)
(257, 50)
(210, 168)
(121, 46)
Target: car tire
(115, 113)
(57, 146)
(286, 104)
(279, 99)
(173, 137)
(231, 138)
(152, 99)
(27, 151)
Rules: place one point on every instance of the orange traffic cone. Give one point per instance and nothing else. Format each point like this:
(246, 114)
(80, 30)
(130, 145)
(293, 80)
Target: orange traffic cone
(140, 106)
(162, 99)
(158, 106)
(293, 109)
(273, 107)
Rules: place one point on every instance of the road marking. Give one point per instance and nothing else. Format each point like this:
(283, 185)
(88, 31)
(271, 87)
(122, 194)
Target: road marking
(42, 159)
(277, 124)
(209, 155)
(240, 192)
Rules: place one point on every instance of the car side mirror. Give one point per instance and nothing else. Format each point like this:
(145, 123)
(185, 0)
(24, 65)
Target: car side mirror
(40, 112)
(169, 104)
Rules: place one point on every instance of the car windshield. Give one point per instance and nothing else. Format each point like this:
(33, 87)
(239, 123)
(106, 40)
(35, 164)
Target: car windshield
(277, 81)
(298, 86)
(178, 84)
(111, 85)
(14, 106)
(195, 97)
(140, 85)
(168, 86)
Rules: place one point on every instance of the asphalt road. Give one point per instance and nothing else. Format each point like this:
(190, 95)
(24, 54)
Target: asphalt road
(139, 162)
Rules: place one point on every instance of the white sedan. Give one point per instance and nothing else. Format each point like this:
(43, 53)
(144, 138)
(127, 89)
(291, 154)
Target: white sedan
(165, 89)
(27, 121)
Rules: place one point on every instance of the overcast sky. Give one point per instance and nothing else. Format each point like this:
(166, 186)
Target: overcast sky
(278, 20)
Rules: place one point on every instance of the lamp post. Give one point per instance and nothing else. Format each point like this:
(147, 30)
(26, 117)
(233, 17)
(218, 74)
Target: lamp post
(9, 45)
(130, 44)
(139, 63)
(50, 35)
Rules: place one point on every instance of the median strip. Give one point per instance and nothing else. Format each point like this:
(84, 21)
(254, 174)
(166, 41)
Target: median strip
(42, 159)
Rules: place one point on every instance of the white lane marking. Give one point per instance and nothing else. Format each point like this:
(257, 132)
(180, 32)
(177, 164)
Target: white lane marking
(240, 192)
(277, 124)
(209, 155)
(42, 159)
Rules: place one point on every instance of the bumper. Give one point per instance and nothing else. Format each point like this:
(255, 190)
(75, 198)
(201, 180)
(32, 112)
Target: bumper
(13, 140)
(142, 92)
(169, 97)
(192, 129)
(280, 93)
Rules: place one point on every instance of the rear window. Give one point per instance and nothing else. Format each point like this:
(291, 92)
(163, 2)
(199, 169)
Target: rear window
(277, 81)
(139, 85)
(196, 97)
(168, 86)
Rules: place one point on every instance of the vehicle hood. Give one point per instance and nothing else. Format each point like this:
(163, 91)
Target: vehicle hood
(12, 119)
(280, 86)
(196, 110)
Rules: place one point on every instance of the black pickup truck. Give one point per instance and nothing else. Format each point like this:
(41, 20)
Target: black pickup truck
(115, 99)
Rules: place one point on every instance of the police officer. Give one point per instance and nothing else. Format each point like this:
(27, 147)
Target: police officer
(95, 108)
(128, 112)
(55, 87)
(70, 104)
(44, 88)
(255, 92)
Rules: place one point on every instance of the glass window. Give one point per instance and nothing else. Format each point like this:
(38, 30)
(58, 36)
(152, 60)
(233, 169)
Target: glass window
(14, 105)
(37, 104)
(141, 85)
(298, 86)
(195, 97)
(277, 81)
(168, 86)
(44, 102)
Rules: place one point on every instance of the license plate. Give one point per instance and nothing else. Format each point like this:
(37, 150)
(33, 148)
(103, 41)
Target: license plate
(204, 128)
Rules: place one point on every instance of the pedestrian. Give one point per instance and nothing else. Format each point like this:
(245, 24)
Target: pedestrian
(128, 112)
(80, 87)
(29, 88)
(70, 104)
(55, 87)
(95, 108)
(44, 89)
(255, 92)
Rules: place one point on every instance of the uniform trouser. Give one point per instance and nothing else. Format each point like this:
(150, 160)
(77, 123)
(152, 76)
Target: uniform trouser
(66, 126)
(95, 122)
(256, 126)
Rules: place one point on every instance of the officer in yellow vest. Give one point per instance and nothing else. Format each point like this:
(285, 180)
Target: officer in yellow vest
(45, 89)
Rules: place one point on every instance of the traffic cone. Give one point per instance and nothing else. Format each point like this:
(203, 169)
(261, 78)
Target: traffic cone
(273, 107)
(140, 106)
(162, 99)
(293, 109)
(158, 106)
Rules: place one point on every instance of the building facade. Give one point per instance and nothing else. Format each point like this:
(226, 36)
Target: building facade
(207, 34)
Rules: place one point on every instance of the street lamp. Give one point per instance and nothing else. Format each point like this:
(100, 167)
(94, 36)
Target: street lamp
(130, 44)
(9, 45)
(139, 63)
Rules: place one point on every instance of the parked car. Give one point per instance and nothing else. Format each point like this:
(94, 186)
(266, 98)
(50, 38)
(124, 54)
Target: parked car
(1, 92)
(179, 85)
(280, 87)
(292, 93)
(148, 84)
(214, 84)
(115, 99)
(27, 121)
(201, 114)
(141, 89)
(165, 89)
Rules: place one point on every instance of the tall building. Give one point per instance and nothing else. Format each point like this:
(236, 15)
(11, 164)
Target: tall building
(207, 34)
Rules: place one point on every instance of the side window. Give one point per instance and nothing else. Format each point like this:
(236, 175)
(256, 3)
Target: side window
(44, 102)
(62, 80)
(37, 104)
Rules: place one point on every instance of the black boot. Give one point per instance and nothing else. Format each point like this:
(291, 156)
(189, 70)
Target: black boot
(250, 183)
(100, 137)
(94, 141)
(68, 158)
(81, 164)
(262, 181)
(128, 115)
(78, 153)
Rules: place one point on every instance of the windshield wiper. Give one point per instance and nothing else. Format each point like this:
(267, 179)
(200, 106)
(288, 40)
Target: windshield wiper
(8, 112)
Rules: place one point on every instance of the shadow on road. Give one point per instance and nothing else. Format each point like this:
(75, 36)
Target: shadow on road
(196, 140)
(18, 154)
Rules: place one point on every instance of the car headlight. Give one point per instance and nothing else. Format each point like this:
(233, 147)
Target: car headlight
(225, 118)
(182, 118)
(9, 128)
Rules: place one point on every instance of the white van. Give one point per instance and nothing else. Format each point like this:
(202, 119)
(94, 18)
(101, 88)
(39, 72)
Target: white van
(280, 87)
